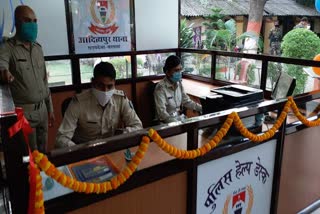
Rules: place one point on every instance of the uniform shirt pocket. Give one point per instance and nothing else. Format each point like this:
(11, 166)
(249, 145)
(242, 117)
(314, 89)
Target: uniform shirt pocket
(22, 68)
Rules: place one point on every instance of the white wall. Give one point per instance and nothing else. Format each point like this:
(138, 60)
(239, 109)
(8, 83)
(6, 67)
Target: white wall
(51, 22)
(156, 24)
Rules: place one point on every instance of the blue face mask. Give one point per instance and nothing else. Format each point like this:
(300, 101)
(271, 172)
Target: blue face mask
(29, 31)
(176, 77)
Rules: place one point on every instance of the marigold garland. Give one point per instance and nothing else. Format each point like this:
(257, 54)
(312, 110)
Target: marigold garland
(45, 165)
(191, 154)
(303, 119)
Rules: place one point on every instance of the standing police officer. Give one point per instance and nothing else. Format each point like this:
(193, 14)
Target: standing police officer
(169, 94)
(99, 112)
(22, 65)
(275, 37)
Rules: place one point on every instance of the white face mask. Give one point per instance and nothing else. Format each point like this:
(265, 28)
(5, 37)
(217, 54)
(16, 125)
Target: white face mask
(103, 97)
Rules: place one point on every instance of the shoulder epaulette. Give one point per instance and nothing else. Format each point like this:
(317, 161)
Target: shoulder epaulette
(119, 93)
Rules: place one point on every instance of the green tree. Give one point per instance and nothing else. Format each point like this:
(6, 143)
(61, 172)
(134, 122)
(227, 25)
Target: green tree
(303, 44)
(214, 22)
(186, 34)
(309, 3)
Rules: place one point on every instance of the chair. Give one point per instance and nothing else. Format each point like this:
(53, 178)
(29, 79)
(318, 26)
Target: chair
(65, 105)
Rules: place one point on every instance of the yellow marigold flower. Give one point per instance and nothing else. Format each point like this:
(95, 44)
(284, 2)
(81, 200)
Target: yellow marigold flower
(109, 186)
(143, 147)
(139, 154)
(104, 187)
(97, 188)
(198, 152)
(195, 153)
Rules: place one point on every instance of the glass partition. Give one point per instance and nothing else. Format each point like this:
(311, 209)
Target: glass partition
(151, 64)
(59, 72)
(156, 24)
(122, 64)
(239, 70)
(52, 25)
(303, 75)
(196, 64)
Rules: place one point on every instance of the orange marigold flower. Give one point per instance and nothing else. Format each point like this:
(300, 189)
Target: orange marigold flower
(62, 180)
(132, 166)
(114, 183)
(109, 186)
(203, 151)
(207, 147)
(212, 144)
(186, 155)
(126, 174)
(143, 147)
(82, 187)
(146, 139)
(122, 178)
(136, 160)
(75, 185)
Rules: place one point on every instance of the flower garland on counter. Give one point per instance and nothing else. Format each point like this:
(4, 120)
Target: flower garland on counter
(45, 165)
(191, 154)
(303, 119)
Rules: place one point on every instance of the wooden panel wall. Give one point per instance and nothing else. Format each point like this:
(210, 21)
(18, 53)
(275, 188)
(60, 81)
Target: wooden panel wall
(168, 195)
(145, 104)
(299, 183)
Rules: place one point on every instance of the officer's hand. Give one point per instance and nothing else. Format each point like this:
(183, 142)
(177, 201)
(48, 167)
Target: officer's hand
(51, 119)
(119, 131)
(6, 76)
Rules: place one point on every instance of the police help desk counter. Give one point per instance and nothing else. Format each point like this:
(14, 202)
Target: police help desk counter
(233, 177)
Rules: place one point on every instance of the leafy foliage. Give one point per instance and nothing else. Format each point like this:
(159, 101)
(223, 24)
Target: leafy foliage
(186, 34)
(221, 35)
(300, 43)
(309, 3)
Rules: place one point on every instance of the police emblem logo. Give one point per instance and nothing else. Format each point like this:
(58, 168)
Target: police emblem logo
(241, 199)
(103, 15)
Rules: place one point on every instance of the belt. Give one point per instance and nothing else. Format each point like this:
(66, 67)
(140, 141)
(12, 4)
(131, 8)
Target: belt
(31, 107)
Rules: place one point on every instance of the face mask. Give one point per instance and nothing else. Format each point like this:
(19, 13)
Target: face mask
(103, 97)
(176, 77)
(29, 31)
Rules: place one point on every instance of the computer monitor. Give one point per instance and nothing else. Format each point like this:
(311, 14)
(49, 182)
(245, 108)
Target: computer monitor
(284, 86)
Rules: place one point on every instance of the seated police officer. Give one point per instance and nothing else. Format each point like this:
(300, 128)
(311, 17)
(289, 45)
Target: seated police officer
(99, 112)
(169, 94)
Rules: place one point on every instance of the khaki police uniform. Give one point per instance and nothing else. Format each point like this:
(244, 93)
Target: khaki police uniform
(169, 98)
(86, 120)
(30, 86)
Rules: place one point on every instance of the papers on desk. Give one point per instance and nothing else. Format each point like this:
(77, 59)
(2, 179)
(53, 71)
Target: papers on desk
(51, 188)
(96, 170)
(311, 73)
